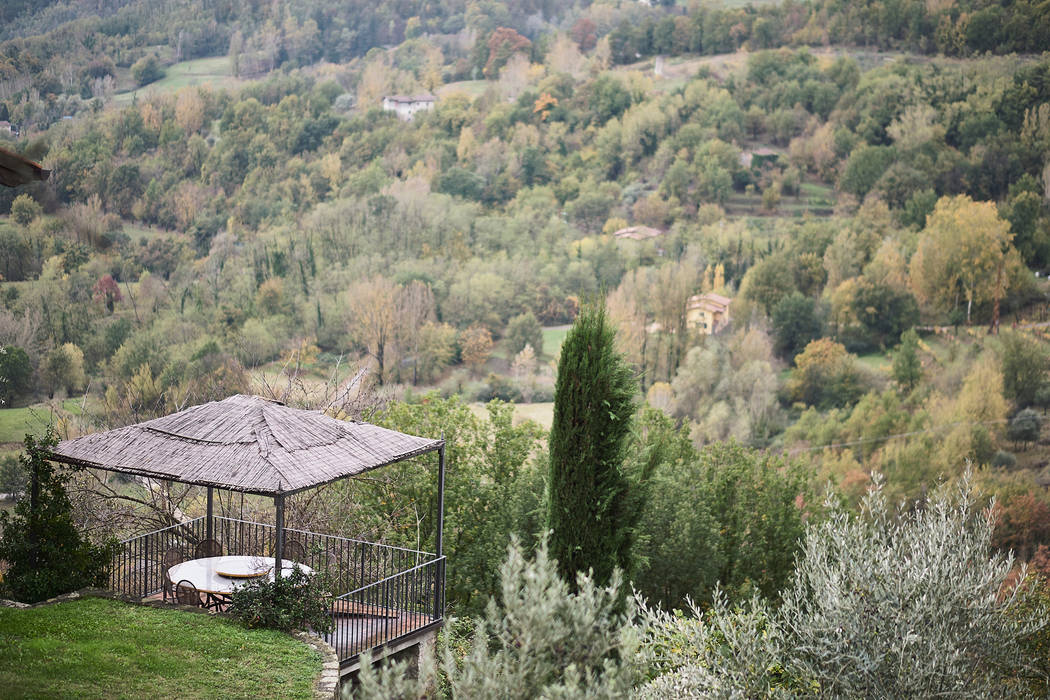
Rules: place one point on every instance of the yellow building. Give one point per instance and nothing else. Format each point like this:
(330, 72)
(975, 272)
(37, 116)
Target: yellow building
(707, 313)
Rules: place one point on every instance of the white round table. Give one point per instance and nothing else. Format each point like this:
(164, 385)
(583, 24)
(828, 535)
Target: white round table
(220, 575)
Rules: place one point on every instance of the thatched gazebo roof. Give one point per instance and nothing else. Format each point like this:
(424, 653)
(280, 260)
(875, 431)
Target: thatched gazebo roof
(244, 443)
(17, 170)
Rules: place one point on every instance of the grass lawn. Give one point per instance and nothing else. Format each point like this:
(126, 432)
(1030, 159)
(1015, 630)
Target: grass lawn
(214, 70)
(877, 362)
(16, 422)
(553, 337)
(96, 648)
(471, 88)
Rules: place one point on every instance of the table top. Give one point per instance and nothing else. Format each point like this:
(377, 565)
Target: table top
(223, 574)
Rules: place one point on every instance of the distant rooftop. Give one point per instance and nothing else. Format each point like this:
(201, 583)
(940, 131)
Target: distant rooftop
(638, 233)
(408, 99)
(709, 301)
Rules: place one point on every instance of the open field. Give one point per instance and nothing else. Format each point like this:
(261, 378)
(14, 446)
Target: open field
(200, 71)
(814, 198)
(95, 648)
(471, 88)
(553, 337)
(542, 413)
(16, 422)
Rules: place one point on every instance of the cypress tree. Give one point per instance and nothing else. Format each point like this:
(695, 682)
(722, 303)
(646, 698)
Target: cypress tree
(592, 508)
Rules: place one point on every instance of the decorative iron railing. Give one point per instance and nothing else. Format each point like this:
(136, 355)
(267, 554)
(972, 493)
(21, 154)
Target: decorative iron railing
(388, 610)
(382, 593)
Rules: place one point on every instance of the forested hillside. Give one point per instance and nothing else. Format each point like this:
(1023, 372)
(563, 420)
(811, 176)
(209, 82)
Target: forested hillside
(232, 210)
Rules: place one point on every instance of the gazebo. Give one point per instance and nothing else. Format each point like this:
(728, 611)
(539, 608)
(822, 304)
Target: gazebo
(253, 445)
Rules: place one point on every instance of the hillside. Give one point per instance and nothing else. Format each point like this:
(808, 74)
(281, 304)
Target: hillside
(862, 216)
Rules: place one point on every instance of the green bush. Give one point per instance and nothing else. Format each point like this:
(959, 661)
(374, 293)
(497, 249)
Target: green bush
(524, 330)
(886, 604)
(295, 601)
(147, 70)
(46, 553)
(1004, 460)
(13, 476)
(540, 641)
(16, 374)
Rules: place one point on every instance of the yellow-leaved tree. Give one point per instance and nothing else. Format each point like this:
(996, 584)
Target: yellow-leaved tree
(965, 253)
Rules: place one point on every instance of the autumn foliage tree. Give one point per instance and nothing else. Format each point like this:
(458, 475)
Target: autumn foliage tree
(372, 319)
(107, 291)
(965, 254)
(475, 347)
(502, 44)
(825, 375)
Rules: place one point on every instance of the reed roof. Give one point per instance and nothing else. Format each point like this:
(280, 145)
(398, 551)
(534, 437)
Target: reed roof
(244, 443)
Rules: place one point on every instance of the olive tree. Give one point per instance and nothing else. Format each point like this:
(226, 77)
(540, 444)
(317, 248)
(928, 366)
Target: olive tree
(539, 640)
(887, 603)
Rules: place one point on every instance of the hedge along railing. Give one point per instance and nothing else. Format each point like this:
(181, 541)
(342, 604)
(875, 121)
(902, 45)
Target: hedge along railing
(348, 563)
(388, 610)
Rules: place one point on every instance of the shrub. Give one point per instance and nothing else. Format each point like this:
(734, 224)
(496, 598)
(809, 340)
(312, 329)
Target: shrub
(906, 604)
(295, 601)
(539, 641)
(1024, 427)
(524, 330)
(13, 477)
(1004, 460)
(884, 604)
(16, 374)
(46, 553)
(147, 70)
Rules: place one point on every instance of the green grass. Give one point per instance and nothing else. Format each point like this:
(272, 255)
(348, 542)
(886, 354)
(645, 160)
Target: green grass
(553, 337)
(200, 71)
(137, 232)
(471, 88)
(96, 648)
(877, 362)
(542, 413)
(16, 422)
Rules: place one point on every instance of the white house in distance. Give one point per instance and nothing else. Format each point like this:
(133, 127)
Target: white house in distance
(406, 106)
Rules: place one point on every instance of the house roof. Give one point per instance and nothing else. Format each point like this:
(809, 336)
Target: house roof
(709, 301)
(638, 233)
(244, 443)
(408, 99)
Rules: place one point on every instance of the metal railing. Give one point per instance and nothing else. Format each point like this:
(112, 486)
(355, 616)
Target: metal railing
(136, 567)
(382, 593)
(388, 610)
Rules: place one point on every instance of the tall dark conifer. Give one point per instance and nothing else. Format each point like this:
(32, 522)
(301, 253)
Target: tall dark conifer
(592, 508)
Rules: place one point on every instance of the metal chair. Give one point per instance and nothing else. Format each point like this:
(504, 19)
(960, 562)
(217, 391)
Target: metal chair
(171, 557)
(187, 594)
(207, 548)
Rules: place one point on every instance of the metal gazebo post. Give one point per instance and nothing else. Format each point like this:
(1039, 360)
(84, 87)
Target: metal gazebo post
(441, 495)
(278, 548)
(211, 521)
(439, 584)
